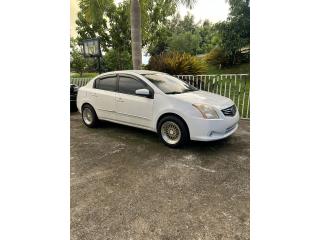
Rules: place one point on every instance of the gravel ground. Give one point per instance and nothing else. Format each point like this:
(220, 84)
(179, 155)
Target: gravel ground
(125, 184)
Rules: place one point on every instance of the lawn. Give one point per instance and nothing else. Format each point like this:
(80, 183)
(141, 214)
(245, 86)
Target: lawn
(84, 75)
(241, 68)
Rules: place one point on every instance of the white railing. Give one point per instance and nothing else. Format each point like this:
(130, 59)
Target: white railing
(233, 86)
(80, 81)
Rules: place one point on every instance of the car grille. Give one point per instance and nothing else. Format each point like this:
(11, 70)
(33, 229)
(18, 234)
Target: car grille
(230, 111)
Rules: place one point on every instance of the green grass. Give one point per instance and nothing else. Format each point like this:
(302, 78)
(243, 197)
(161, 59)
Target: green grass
(84, 75)
(241, 68)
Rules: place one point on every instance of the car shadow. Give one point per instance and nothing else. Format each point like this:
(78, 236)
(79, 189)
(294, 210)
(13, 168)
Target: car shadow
(152, 137)
(138, 135)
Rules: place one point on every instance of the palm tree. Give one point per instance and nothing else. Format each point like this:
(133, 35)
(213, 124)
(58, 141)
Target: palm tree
(136, 44)
(94, 9)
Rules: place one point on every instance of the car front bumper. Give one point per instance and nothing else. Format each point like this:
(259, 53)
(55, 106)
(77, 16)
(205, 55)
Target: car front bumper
(201, 129)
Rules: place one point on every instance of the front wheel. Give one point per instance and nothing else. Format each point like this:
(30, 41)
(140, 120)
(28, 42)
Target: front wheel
(173, 131)
(89, 116)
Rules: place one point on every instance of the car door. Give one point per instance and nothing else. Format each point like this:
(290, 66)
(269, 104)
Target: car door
(104, 94)
(131, 108)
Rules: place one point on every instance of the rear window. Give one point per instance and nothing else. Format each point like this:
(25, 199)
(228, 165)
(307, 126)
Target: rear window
(107, 83)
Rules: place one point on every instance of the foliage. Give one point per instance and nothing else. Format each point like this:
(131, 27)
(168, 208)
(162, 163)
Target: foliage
(184, 35)
(95, 16)
(217, 56)
(185, 42)
(164, 31)
(116, 60)
(208, 37)
(93, 20)
(77, 62)
(234, 69)
(235, 31)
(177, 63)
(112, 27)
(185, 24)
(155, 22)
(94, 10)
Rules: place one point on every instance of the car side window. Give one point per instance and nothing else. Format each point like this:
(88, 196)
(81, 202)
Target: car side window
(129, 85)
(107, 83)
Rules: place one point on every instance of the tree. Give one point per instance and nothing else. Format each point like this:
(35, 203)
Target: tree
(208, 36)
(136, 28)
(94, 10)
(117, 60)
(184, 35)
(77, 62)
(136, 42)
(113, 30)
(235, 31)
(119, 32)
(155, 24)
(185, 42)
(93, 20)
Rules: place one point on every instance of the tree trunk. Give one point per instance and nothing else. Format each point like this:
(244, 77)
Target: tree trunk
(136, 34)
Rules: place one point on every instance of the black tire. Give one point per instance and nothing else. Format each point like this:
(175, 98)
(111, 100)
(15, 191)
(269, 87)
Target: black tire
(95, 121)
(184, 132)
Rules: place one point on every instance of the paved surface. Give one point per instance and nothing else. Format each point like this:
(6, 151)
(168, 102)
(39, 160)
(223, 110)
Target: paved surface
(125, 184)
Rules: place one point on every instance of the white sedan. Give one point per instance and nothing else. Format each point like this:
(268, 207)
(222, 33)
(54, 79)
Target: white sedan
(160, 103)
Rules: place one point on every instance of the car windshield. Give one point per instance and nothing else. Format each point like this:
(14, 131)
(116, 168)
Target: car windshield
(169, 84)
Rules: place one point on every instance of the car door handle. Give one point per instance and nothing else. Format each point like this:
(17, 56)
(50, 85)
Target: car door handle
(119, 100)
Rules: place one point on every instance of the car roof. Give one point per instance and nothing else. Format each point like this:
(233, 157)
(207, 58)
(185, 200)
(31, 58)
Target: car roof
(141, 72)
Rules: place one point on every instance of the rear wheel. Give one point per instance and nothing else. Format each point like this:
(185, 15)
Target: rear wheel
(89, 116)
(173, 131)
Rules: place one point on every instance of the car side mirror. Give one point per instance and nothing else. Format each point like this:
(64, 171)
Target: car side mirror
(143, 92)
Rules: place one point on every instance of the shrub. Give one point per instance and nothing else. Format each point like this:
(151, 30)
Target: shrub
(216, 57)
(175, 63)
(117, 60)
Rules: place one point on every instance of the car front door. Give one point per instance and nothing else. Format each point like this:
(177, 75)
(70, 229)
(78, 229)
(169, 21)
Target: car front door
(105, 92)
(131, 108)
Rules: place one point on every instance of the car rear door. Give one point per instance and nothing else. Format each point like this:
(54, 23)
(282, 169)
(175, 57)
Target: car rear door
(105, 92)
(131, 108)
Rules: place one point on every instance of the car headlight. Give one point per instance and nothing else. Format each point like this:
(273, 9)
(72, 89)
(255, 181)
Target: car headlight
(207, 111)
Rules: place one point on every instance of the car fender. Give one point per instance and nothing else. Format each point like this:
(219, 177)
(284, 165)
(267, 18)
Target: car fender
(174, 106)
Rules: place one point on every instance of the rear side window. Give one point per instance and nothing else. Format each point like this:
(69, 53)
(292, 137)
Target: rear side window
(129, 85)
(108, 83)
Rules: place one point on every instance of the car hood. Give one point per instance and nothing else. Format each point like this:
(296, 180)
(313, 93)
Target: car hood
(204, 97)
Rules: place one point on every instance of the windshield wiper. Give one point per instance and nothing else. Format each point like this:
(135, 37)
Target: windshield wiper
(190, 90)
(174, 92)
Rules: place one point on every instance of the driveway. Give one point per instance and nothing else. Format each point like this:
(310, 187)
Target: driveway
(125, 184)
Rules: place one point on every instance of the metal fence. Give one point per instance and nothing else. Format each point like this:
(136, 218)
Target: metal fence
(233, 86)
(80, 81)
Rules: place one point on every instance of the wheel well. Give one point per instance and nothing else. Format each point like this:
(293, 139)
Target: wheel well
(86, 104)
(175, 115)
